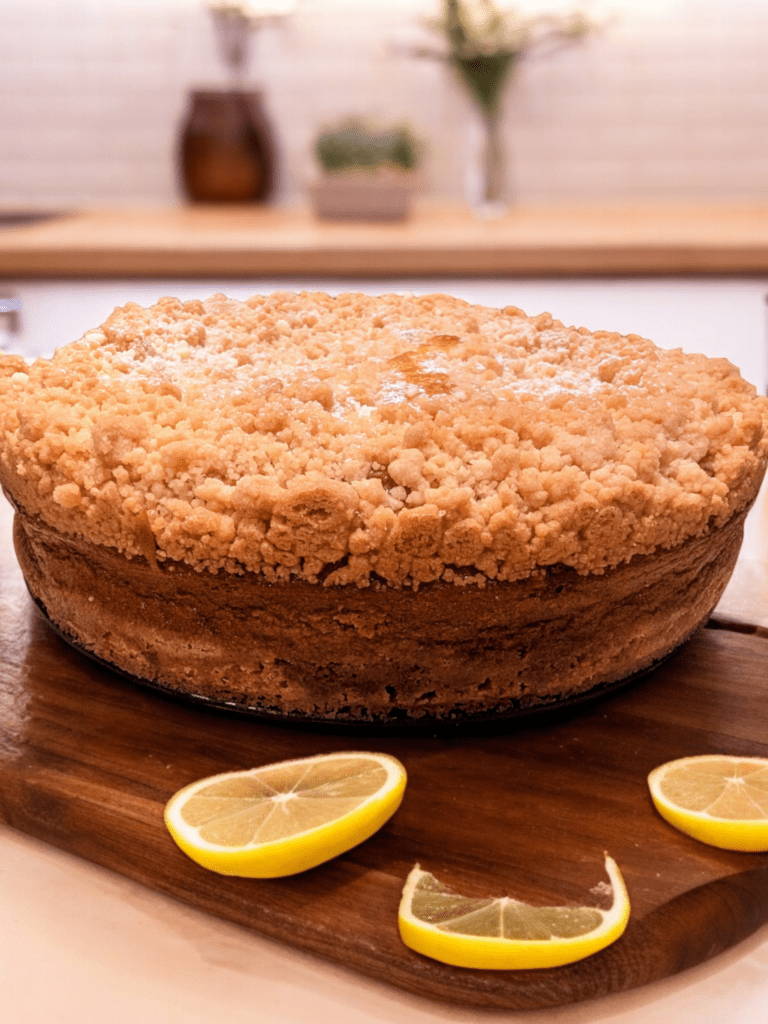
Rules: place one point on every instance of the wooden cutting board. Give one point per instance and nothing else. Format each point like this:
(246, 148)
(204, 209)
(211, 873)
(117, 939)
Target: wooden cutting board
(88, 760)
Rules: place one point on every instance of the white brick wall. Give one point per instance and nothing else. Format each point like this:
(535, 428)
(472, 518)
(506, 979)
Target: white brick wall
(669, 103)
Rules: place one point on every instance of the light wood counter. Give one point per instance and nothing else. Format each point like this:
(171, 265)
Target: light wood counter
(251, 241)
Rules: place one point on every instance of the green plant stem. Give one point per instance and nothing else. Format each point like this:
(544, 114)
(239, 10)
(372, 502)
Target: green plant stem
(485, 76)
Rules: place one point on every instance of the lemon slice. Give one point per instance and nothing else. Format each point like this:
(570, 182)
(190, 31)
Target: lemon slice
(716, 798)
(285, 817)
(505, 933)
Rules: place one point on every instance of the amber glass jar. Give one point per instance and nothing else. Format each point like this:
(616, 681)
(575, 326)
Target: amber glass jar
(226, 152)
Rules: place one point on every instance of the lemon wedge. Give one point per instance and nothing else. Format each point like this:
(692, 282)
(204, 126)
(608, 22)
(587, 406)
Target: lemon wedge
(286, 817)
(718, 799)
(505, 933)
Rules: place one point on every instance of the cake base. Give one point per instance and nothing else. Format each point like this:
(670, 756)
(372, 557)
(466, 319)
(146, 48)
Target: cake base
(457, 721)
(299, 651)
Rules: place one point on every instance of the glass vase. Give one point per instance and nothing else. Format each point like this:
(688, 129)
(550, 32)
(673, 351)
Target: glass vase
(486, 178)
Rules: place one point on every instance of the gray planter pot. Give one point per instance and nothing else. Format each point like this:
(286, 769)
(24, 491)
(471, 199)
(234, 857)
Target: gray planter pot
(358, 195)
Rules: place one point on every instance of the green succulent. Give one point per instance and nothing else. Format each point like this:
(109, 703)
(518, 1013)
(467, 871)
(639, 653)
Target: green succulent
(354, 144)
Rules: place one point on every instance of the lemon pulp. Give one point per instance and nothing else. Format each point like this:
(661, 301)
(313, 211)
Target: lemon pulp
(505, 933)
(286, 817)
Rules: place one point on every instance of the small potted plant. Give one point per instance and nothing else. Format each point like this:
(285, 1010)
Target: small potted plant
(367, 173)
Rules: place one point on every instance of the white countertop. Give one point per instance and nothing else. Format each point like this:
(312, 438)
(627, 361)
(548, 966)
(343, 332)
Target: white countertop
(80, 945)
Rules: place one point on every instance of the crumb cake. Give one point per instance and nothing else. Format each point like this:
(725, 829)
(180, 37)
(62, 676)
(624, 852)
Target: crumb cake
(370, 509)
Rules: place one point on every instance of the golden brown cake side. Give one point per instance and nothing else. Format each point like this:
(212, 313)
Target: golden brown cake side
(375, 654)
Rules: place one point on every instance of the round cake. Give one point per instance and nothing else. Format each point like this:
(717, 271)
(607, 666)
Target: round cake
(375, 509)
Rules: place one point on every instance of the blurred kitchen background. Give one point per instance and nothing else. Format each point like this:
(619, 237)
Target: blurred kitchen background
(668, 102)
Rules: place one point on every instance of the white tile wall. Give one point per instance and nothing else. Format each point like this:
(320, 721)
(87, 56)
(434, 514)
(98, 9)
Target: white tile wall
(670, 102)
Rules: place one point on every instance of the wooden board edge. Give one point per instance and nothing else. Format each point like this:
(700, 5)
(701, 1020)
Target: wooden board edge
(724, 622)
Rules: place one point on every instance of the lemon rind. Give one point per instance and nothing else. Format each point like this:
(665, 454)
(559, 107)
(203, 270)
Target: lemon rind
(496, 953)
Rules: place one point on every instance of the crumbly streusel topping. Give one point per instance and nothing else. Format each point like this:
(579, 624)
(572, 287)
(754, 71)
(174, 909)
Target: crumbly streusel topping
(397, 438)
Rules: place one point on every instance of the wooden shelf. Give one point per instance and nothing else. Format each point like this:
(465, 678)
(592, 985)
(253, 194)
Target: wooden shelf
(436, 241)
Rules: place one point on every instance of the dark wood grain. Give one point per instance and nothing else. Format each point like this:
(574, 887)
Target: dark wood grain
(88, 760)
